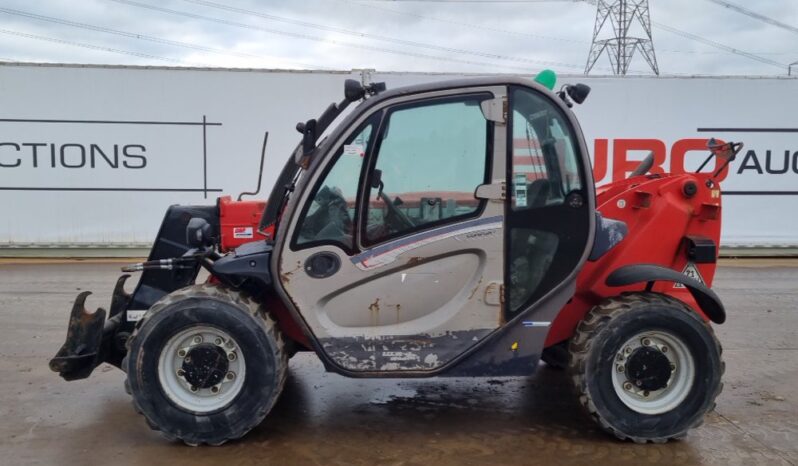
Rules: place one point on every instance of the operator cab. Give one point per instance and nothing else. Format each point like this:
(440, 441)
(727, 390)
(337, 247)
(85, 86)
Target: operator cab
(433, 214)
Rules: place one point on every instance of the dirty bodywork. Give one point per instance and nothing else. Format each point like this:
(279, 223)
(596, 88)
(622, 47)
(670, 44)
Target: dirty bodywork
(445, 229)
(423, 302)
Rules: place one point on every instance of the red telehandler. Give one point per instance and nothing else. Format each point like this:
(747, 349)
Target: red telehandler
(443, 229)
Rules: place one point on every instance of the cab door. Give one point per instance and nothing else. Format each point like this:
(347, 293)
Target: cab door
(390, 257)
(550, 213)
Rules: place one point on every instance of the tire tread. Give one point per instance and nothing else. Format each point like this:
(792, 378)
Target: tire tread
(581, 344)
(245, 302)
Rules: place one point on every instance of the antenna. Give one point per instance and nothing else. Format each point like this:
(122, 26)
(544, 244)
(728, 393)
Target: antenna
(620, 48)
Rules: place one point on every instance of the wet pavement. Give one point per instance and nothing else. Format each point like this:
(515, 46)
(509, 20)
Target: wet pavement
(328, 419)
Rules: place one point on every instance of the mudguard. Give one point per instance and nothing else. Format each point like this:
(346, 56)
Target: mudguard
(639, 273)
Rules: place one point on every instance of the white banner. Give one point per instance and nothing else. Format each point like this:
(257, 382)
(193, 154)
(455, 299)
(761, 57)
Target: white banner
(94, 155)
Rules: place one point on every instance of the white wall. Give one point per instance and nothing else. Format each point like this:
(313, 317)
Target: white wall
(246, 103)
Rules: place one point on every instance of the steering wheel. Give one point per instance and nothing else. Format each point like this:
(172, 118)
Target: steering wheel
(330, 220)
(395, 211)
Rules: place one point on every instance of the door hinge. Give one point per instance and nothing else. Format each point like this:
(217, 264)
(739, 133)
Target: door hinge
(495, 109)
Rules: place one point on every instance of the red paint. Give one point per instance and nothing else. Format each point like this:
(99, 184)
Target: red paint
(655, 236)
(600, 155)
(622, 165)
(658, 217)
(238, 222)
(683, 146)
(244, 217)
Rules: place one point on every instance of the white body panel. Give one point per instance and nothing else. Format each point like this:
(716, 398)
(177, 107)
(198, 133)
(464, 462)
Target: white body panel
(247, 103)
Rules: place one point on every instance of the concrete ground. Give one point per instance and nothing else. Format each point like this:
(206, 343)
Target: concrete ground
(327, 419)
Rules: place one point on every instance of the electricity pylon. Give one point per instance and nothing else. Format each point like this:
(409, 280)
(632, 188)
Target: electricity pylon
(620, 48)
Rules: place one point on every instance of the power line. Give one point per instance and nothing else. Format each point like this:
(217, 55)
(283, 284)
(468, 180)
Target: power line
(367, 4)
(718, 45)
(360, 34)
(474, 1)
(348, 44)
(715, 52)
(94, 47)
(475, 26)
(459, 23)
(131, 35)
(709, 42)
(755, 15)
(621, 47)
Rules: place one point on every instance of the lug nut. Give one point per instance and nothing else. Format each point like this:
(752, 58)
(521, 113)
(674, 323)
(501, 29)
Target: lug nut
(230, 375)
(645, 393)
(198, 339)
(627, 386)
(620, 368)
(673, 367)
(646, 342)
(181, 372)
(231, 356)
(664, 349)
(218, 341)
(229, 343)
(627, 350)
(194, 388)
(181, 353)
(214, 389)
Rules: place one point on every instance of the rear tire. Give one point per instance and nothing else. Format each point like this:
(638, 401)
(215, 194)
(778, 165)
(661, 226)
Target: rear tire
(646, 367)
(205, 365)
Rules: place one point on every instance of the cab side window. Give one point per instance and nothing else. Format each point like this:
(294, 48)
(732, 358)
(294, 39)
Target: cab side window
(429, 162)
(329, 217)
(544, 164)
(545, 168)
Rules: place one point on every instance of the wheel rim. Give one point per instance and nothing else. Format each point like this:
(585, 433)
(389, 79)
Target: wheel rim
(653, 372)
(201, 369)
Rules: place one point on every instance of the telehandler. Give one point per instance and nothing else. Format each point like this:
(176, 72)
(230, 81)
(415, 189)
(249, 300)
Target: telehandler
(443, 229)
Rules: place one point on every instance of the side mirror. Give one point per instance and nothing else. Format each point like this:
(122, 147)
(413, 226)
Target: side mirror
(308, 130)
(353, 90)
(578, 92)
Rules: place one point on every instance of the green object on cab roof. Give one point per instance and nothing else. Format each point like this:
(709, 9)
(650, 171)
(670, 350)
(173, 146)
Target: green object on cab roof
(547, 78)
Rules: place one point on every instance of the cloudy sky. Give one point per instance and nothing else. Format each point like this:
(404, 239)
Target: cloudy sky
(690, 36)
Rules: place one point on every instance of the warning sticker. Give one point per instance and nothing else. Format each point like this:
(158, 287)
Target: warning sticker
(242, 232)
(135, 316)
(691, 271)
(354, 149)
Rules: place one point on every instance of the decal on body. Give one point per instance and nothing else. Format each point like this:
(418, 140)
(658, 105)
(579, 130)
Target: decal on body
(135, 316)
(389, 252)
(242, 232)
(691, 271)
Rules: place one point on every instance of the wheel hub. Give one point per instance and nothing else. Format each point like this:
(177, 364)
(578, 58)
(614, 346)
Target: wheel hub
(201, 369)
(205, 365)
(653, 371)
(648, 369)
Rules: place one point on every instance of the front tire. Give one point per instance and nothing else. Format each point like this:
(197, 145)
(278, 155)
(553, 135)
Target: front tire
(646, 367)
(205, 365)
